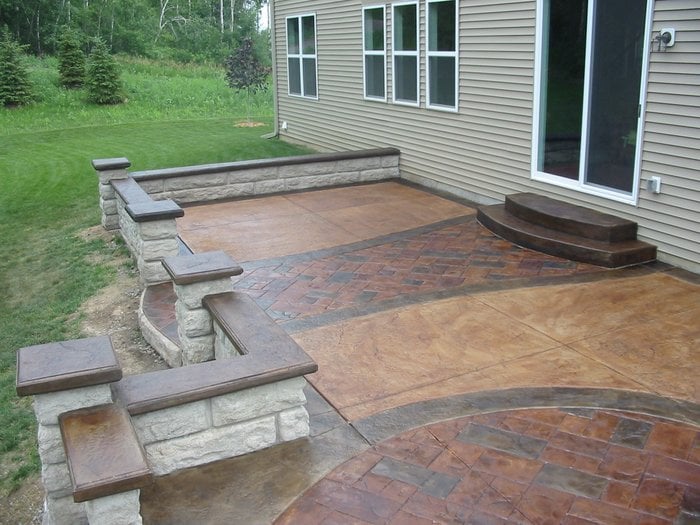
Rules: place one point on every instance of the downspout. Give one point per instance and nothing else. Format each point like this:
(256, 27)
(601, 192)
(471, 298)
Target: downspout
(273, 47)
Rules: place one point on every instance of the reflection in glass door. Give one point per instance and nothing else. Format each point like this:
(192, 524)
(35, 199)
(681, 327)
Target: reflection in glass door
(590, 81)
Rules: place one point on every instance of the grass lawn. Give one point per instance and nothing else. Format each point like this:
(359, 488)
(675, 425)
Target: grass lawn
(175, 116)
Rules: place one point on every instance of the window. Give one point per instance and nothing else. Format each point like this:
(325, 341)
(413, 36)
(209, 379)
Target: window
(405, 47)
(374, 52)
(301, 56)
(442, 54)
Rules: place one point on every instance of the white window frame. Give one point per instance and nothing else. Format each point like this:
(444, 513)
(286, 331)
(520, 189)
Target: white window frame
(451, 54)
(366, 52)
(301, 55)
(396, 53)
(579, 184)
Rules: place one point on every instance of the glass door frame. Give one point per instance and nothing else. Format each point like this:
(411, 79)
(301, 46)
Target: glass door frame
(540, 83)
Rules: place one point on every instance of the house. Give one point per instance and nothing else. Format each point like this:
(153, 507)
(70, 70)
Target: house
(594, 102)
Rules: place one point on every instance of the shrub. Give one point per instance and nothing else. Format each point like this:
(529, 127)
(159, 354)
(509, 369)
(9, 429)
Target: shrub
(15, 87)
(103, 83)
(71, 60)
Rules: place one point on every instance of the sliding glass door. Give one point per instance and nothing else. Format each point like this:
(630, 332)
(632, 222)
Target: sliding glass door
(591, 63)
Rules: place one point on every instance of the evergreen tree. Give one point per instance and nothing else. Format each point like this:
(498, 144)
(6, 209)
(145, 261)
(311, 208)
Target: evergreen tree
(245, 71)
(71, 60)
(103, 82)
(15, 87)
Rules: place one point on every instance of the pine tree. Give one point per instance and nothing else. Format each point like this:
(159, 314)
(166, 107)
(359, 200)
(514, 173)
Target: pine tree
(103, 83)
(245, 71)
(15, 87)
(71, 60)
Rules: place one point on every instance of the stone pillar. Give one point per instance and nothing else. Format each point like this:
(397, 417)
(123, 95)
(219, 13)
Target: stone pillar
(151, 233)
(63, 377)
(118, 509)
(194, 277)
(109, 170)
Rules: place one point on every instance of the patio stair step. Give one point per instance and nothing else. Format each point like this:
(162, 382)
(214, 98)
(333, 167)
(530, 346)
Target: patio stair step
(566, 230)
(103, 451)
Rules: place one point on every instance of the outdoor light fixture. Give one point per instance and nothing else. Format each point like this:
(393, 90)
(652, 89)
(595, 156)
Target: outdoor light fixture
(665, 37)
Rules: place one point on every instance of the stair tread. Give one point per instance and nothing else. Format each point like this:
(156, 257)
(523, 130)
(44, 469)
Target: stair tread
(570, 218)
(103, 452)
(564, 244)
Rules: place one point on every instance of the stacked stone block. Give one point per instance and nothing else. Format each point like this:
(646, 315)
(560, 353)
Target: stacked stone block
(204, 416)
(58, 502)
(196, 184)
(223, 426)
(223, 346)
(109, 170)
(195, 277)
(64, 377)
(149, 239)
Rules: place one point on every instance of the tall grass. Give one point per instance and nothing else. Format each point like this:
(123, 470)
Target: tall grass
(154, 91)
(48, 193)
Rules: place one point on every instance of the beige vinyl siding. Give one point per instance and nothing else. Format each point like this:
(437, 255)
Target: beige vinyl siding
(672, 137)
(485, 144)
(484, 150)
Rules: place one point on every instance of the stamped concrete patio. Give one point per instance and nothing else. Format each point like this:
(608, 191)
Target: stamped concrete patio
(461, 379)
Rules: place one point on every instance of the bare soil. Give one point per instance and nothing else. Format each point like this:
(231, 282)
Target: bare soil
(114, 312)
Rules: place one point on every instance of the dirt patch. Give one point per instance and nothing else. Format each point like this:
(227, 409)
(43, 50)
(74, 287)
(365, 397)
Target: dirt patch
(114, 312)
(249, 124)
(25, 506)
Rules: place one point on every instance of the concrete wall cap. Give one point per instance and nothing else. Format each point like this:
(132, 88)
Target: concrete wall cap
(111, 164)
(66, 365)
(200, 267)
(154, 211)
(167, 173)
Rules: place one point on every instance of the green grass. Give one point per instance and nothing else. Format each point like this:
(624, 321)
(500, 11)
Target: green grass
(48, 193)
(154, 91)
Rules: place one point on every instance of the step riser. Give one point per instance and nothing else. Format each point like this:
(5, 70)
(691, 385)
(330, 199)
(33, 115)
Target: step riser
(562, 217)
(607, 259)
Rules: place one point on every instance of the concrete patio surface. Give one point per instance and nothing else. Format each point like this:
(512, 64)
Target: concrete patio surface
(438, 346)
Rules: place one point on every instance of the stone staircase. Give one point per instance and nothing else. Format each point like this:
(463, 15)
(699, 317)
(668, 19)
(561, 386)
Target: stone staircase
(566, 230)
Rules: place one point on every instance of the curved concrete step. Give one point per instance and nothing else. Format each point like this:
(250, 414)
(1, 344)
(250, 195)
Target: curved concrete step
(582, 249)
(569, 218)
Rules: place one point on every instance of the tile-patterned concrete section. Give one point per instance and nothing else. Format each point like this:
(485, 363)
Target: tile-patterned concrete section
(457, 254)
(522, 466)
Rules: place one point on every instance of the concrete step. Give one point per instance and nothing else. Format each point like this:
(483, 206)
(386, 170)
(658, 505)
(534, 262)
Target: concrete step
(569, 218)
(103, 452)
(503, 223)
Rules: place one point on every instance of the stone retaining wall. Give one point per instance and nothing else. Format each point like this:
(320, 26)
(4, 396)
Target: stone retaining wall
(59, 504)
(149, 238)
(223, 426)
(181, 417)
(144, 205)
(210, 182)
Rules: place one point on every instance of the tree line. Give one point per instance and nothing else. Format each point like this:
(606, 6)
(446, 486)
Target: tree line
(181, 30)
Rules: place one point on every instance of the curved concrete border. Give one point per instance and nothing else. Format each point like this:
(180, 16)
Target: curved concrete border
(169, 351)
(394, 421)
(299, 465)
